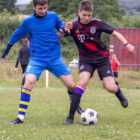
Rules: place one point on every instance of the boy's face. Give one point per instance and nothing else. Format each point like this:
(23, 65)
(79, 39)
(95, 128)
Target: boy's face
(40, 9)
(85, 16)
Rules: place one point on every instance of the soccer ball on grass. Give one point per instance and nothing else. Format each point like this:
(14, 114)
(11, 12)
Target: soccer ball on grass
(89, 116)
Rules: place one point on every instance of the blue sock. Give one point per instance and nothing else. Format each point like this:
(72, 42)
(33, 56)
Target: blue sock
(24, 102)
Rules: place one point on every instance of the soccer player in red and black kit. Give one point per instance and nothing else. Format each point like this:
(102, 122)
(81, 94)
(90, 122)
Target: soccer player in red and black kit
(93, 54)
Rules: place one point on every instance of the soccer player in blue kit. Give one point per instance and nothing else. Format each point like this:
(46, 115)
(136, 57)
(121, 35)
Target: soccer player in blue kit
(44, 52)
(93, 54)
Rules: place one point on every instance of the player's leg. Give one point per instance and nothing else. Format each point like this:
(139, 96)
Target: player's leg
(116, 81)
(78, 91)
(116, 78)
(23, 71)
(105, 73)
(69, 83)
(59, 69)
(86, 71)
(114, 88)
(32, 74)
(24, 99)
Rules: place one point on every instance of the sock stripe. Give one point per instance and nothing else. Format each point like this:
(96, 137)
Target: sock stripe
(24, 103)
(21, 113)
(70, 93)
(26, 91)
(79, 90)
(23, 106)
(22, 110)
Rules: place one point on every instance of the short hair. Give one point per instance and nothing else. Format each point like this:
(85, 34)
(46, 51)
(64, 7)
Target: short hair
(86, 5)
(25, 41)
(40, 2)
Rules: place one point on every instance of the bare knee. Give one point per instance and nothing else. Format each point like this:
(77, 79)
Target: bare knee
(82, 84)
(29, 81)
(111, 88)
(109, 84)
(71, 87)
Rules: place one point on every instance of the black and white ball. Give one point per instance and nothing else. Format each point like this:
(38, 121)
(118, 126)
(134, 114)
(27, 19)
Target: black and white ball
(89, 116)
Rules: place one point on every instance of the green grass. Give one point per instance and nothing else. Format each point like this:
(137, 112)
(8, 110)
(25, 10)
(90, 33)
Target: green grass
(10, 78)
(49, 108)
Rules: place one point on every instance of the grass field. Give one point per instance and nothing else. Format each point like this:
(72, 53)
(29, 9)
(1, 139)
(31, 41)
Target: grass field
(49, 108)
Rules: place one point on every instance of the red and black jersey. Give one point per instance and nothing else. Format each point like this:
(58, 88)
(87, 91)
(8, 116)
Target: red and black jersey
(88, 40)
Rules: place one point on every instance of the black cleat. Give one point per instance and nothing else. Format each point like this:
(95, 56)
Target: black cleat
(68, 121)
(79, 110)
(16, 121)
(123, 100)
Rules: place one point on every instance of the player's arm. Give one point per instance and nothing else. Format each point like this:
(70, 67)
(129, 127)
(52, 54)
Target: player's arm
(17, 61)
(6, 51)
(125, 43)
(117, 61)
(60, 34)
(59, 27)
(19, 33)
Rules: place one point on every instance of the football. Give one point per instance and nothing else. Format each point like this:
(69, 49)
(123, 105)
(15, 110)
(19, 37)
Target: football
(89, 116)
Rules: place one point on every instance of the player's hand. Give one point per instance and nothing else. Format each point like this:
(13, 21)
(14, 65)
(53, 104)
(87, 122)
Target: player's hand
(67, 30)
(6, 51)
(16, 69)
(60, 34)
(4, 58)
(131, 49)
(61, 31)
(68, 26)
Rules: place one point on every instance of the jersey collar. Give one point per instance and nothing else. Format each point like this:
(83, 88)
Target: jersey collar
(38, 15)
(82, 23)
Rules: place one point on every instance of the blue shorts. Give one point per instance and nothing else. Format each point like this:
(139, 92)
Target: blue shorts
(56, 67)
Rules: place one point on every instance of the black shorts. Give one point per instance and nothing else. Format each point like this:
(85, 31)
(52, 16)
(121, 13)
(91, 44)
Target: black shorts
(104, 69)
(115, 74)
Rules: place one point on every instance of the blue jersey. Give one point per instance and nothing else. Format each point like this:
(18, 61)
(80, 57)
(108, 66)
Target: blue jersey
(44, 42)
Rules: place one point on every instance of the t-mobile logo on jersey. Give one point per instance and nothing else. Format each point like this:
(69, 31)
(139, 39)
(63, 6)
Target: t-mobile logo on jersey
(81, 38)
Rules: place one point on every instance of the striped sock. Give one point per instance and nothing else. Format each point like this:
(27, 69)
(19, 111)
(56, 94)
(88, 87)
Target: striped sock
(24, 102)
(70, 95)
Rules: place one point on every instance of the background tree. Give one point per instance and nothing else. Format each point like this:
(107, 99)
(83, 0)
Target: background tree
(104, 9)
(9, 5)
(29, 9)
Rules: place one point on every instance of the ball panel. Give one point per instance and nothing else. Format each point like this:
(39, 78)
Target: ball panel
(89, 116)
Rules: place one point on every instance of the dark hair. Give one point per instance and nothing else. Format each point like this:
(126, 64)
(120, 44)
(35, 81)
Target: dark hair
(86, 5)
(40, 2)
(25, 41)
